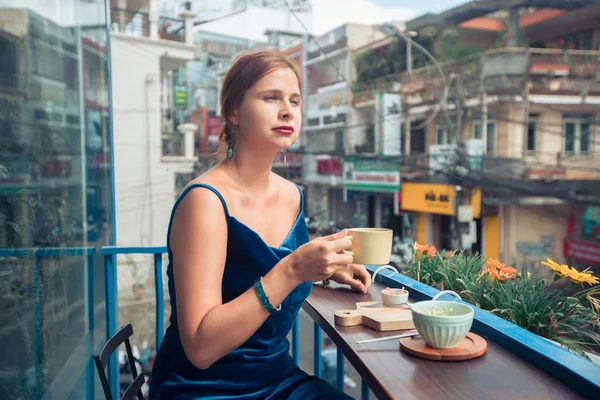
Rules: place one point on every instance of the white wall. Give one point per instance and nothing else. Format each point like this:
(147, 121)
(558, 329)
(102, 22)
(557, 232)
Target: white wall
(527, 225)
(252, 23)
(358, 123)
(360, 35)
(144, 195)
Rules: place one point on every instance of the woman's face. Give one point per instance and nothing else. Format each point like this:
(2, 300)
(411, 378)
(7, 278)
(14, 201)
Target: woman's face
(270, 116)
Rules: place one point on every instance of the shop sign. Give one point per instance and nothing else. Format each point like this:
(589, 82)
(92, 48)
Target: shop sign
(582, 250)
(329, 166)
(333, 98)
(375, 175)
(591, 220)
(388, 107)
(435, 198)
(180, 95)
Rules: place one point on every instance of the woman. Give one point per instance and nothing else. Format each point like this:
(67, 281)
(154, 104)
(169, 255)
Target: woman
(240, 262)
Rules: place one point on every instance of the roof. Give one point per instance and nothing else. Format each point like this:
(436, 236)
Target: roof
(282, 32)
(479, 8)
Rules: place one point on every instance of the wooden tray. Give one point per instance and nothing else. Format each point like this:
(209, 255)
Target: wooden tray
(376, 316)
(472, 346)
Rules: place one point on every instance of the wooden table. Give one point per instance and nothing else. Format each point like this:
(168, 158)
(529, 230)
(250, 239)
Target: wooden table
(393, 374)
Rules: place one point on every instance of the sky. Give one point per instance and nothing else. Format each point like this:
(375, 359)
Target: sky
(329, 14)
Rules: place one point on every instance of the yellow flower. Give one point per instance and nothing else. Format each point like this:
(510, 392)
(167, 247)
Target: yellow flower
(582, 277)
(554, 265)
(570, 272)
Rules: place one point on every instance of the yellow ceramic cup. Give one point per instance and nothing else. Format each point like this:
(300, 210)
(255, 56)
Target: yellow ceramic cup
(371, 246)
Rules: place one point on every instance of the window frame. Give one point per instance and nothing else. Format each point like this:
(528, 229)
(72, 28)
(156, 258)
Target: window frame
(493, 123)
(578, 121)
(446, 134)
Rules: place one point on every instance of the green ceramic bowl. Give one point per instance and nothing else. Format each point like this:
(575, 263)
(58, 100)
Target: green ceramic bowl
(442, 324)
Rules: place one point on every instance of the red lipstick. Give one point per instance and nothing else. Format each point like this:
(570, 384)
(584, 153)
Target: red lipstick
(286, 130)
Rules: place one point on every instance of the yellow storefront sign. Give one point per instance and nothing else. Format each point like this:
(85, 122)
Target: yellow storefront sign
(435, 198)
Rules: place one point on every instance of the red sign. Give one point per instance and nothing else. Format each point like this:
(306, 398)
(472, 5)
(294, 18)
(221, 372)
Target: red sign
(214, 125)
(329, 166)
(213, 129)
(582, 250)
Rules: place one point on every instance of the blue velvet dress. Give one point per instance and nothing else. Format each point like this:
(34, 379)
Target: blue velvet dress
(261, 368)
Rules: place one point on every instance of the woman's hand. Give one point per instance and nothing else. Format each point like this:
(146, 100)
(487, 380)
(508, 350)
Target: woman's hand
(354, 275)
(320, 258)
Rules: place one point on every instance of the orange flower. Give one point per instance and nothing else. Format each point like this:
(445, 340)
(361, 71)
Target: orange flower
(499, 271)
(423, 249)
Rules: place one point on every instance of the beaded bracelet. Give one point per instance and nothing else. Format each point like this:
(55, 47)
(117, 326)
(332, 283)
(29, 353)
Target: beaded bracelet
(264, 299)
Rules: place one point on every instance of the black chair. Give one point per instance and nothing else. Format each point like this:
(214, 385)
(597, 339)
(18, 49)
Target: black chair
(135, 388)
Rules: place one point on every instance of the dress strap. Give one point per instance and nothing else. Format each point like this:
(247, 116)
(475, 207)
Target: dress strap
(182, 195)
(206, 186)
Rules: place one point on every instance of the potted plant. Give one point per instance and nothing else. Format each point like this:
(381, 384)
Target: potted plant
(567, 314)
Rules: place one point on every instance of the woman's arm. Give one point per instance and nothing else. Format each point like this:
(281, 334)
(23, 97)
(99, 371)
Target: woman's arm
(210, 329)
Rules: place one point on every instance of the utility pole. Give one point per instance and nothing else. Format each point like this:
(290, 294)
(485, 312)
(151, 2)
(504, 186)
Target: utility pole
(409, 68)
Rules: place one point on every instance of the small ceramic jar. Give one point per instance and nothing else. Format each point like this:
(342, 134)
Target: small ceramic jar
(394, 297)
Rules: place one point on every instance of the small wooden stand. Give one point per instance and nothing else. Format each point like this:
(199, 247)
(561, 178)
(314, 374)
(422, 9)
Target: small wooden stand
(472, 346)
(376, 316)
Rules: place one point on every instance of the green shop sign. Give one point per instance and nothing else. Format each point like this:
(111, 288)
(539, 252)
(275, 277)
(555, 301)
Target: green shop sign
(180, 95)
(373, 175)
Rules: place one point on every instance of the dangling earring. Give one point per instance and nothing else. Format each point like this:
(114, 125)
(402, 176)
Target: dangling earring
(231, 143)
(284, 157)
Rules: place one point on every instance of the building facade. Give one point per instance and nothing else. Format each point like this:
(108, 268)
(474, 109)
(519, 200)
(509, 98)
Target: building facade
(513, 117)
(218, 42)
(352, 178)
(151, 145)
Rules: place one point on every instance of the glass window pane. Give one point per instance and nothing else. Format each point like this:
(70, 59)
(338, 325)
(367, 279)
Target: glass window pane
(570, 136)
(477, 131)
(584, 145)
(491, 138)
(55, 196)
(440, 136)
(531, 128)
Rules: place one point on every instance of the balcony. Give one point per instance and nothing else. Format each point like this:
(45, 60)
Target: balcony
(169, 40)
(138, 23)
(557, 367)
(557, 166)
(553, 71)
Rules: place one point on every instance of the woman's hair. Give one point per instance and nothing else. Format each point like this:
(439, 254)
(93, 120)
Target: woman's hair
(246, 70)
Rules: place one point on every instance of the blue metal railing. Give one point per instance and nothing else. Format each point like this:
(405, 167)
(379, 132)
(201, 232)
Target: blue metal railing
(112, 301)
(569, 368)
(110, 253)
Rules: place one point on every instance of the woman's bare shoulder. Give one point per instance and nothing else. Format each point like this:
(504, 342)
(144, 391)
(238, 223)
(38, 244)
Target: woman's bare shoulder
(289, 189)
(213, 177)
(202, 201)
